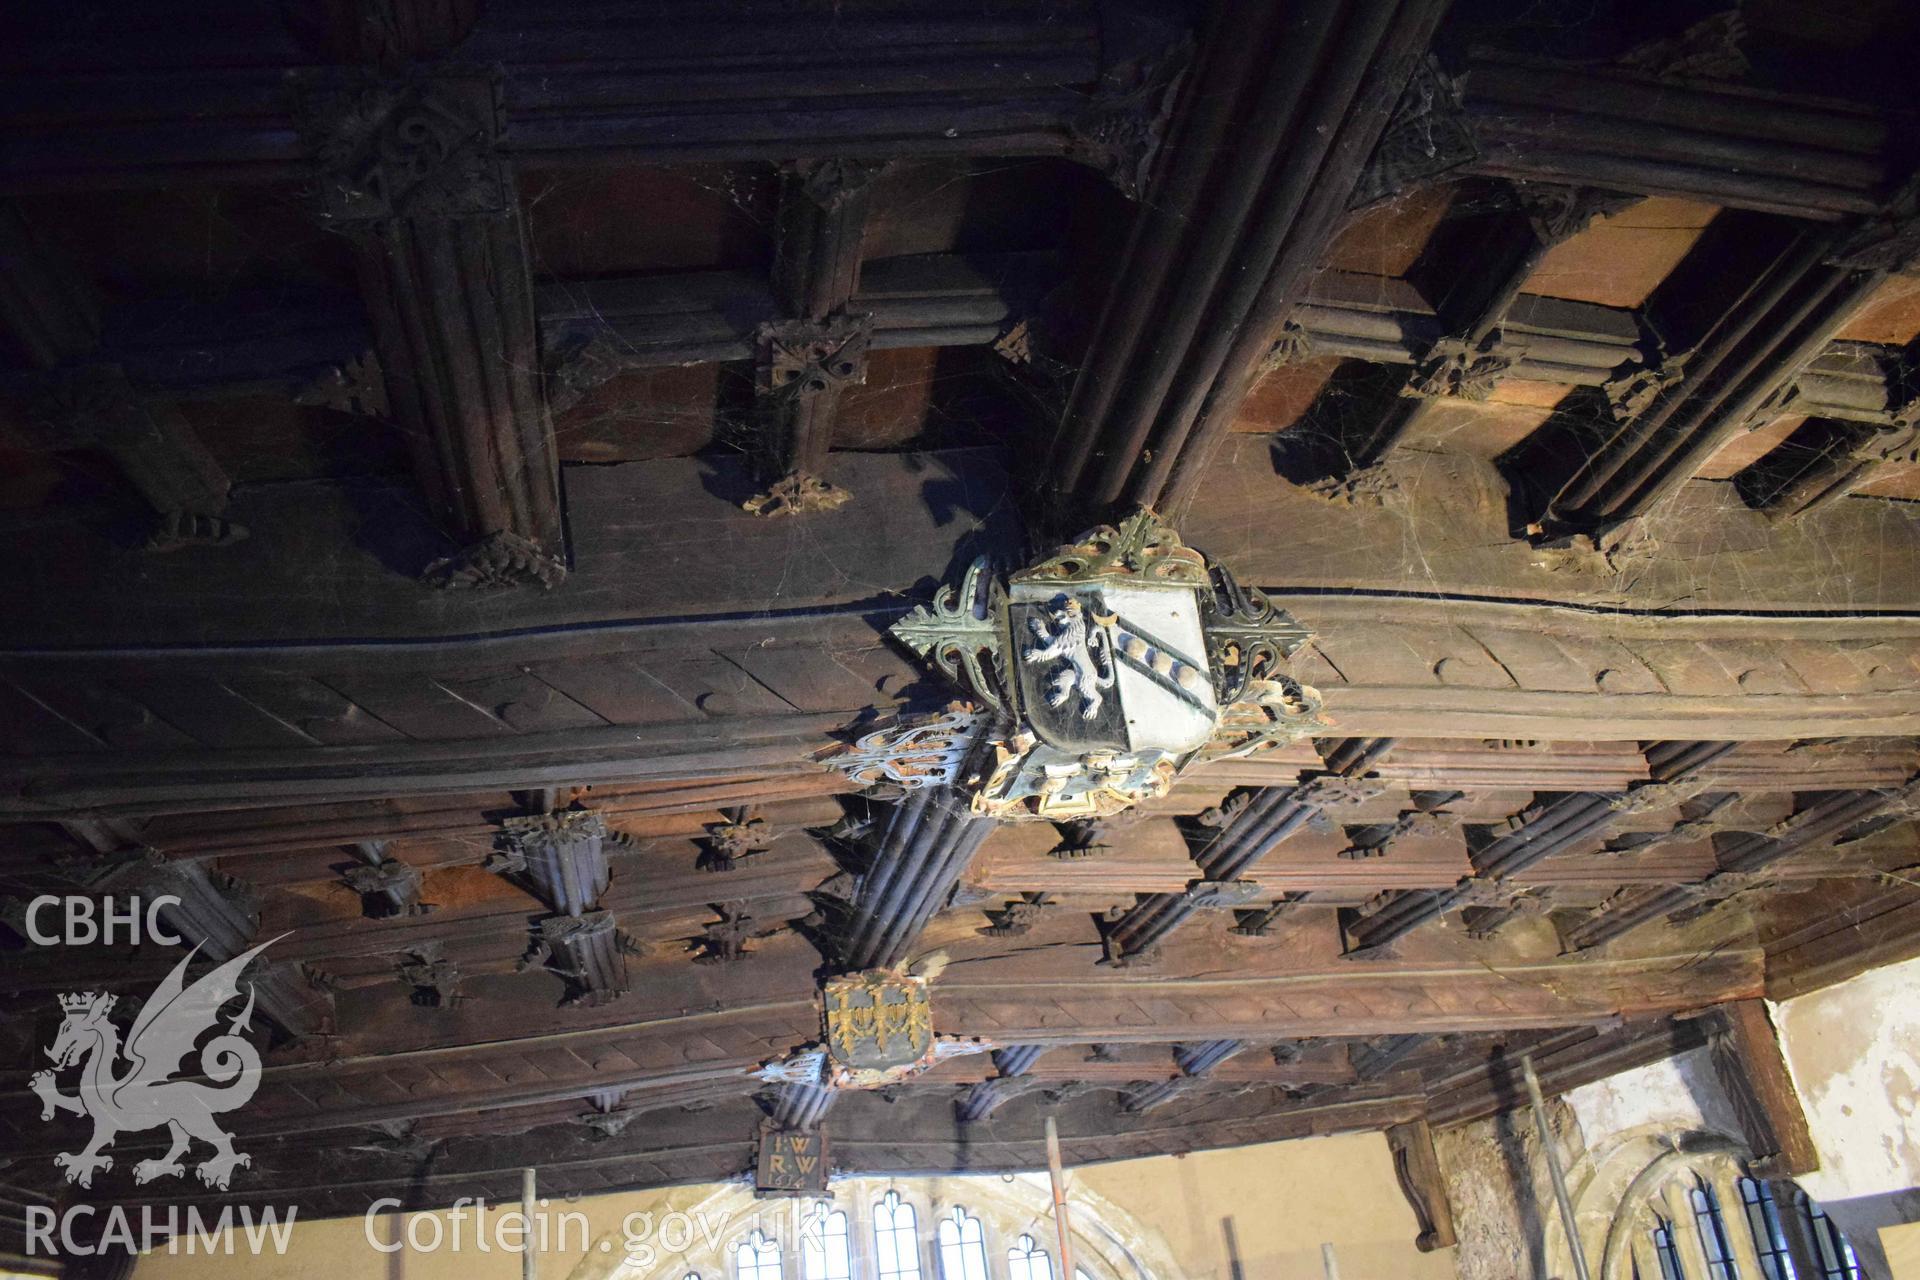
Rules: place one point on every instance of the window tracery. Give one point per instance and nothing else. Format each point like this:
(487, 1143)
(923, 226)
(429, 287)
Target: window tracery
(1696, 1212)
(825, 1252)
(1026, 1260)
(757, 1258)
(957, 1228)
(963, 1247)
(896, 1239)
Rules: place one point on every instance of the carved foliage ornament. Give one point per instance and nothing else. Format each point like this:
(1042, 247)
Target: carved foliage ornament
(1708, 50)
(1453, 371)
(1653, 797)
(1110, 666)
(422, 147)
(913, 752)
(1125, 122)
(1888, 241)
(1898, 442)
(1427, 136)
(1558, 213)
(805, 358)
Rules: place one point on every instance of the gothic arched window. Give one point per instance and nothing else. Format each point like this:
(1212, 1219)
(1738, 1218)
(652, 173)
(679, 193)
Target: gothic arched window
(896, 1238)
(1696, 1212)
(756, 1258)
(1664, 1251)
(824, 1247)
(1832, 1254)
(1028, 1261)
(963, 1248)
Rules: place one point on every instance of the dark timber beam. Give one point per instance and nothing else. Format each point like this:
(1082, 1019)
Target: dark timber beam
(809, 357)
(315, 348)
(1745, 354)
(220, 918)
(1742, 859)
(592, 330)
(1473, 268)
(622, 83)
(1627, 130)
(1246, 834)
(1279, 114)
(1564, 1060)
(1390, 321)
(1535, 834)
(412, 171)
(1747, 1059)
(1863, 415)
(653, 1043)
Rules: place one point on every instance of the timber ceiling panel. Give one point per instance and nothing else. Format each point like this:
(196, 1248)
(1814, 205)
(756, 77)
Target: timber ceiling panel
(371, 513)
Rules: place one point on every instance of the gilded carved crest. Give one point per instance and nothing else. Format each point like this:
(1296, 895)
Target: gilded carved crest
(1102, 671)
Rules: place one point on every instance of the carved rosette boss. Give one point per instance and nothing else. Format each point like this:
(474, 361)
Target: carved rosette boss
(1097, 676)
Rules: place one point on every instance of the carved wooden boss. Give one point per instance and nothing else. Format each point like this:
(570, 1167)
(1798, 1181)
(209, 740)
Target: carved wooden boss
(1096, 676)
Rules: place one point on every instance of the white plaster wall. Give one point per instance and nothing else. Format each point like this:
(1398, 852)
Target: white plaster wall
(1675, 1095)
(1854, 1050)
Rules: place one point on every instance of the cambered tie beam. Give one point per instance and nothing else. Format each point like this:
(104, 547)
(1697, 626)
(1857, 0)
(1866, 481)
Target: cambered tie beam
(1630, 130)
(611, 86)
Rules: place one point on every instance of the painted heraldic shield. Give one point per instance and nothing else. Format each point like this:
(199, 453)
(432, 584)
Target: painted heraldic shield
(1112, 666)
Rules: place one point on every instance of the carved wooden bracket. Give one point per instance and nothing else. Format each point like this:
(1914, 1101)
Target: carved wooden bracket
(1747, 1059)
(432, 979)
(725, 939)
(501, 559)
(94, 406)
(1418, 1170)
(1558, 213)
(1017, 917)
(1456, 372)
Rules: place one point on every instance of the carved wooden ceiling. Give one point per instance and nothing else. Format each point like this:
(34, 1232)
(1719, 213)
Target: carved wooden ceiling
(461, 464)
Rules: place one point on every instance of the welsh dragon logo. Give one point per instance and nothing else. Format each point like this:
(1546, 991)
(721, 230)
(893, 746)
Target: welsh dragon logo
(143, 1095)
